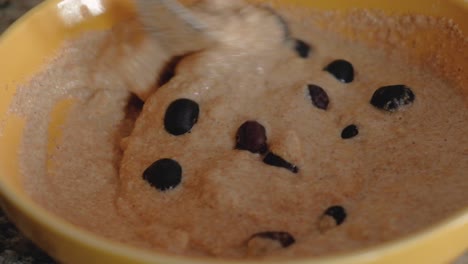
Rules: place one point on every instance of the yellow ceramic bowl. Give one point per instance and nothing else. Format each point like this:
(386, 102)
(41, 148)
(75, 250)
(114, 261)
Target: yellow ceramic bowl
(34, 38)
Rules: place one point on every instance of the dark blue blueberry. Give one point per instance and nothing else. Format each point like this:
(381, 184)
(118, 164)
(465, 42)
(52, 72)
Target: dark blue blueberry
(163, 174)
(277, 161)
(180, 116)
(349, 132)
(342, 70)
(251, 136)
(302, 48)
(318, 96)
(337, 212)
(284, 238)
(391, 98)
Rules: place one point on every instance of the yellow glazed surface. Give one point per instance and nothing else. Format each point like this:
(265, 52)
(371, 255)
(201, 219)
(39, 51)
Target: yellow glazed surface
(35, 37)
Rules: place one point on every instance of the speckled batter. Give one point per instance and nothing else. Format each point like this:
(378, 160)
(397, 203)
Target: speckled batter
(402, 171)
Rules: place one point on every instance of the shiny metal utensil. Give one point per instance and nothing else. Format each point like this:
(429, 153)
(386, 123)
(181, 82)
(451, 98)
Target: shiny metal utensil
(175, 27)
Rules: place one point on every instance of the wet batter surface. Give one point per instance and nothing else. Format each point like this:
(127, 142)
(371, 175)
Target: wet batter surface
(280, 140)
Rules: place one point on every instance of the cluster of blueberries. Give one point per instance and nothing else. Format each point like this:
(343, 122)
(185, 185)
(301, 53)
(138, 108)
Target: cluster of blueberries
(182, 114)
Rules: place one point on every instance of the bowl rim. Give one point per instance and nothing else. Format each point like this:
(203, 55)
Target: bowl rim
(71, 232)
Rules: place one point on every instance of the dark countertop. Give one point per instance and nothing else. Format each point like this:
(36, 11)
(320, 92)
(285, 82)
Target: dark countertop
(14, 247)
(10, 10)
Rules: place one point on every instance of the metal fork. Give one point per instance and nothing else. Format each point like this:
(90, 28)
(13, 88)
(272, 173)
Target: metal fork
(174, 26)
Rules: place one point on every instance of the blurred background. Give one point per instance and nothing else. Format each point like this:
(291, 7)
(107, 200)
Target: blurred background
(14, 247)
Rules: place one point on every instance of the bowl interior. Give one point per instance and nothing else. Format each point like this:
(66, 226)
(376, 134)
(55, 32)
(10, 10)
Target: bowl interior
(27, 45)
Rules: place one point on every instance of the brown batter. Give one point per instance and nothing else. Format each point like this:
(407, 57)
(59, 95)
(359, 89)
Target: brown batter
(312, 187)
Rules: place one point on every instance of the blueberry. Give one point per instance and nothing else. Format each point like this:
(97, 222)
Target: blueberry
(163, 174)
(318, 96)
(277, 161)
(337, 212)
(180, 116)
(349, 132)
(284, 238)
(342, 70)
(302, 48)
(251, 136)
(392, 97)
